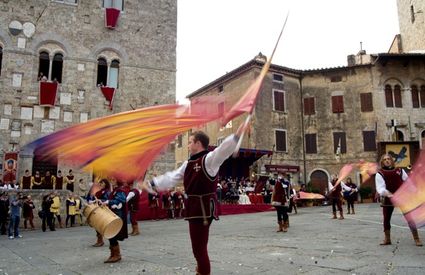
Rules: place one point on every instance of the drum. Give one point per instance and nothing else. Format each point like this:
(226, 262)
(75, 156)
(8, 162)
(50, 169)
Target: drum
(101, 218)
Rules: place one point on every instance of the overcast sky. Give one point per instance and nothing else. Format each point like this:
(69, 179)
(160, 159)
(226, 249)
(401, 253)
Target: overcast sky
(217, 36)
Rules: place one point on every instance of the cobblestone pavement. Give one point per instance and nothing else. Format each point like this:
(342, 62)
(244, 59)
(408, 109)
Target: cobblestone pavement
(239, 244)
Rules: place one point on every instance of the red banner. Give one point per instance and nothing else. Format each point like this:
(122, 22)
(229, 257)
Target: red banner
(10, 166)
(111, 17)
(48, 92)
(108, 93)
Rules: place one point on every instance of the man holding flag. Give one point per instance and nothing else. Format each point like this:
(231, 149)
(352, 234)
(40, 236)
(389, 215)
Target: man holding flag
(388, 180)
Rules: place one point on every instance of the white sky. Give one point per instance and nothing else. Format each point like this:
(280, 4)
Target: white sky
(217, 36)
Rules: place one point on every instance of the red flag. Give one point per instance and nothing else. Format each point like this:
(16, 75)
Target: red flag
(247, 102)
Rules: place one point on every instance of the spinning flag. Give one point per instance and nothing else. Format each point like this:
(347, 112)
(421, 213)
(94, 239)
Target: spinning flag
(125, 144)
(410, 197)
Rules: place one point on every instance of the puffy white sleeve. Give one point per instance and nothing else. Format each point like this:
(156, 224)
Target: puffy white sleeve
(215, 159)
(380, 185)
(169, 179)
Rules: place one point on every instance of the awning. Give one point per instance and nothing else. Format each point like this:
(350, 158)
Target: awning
(270, 168)
(47, 93)
(246, 152)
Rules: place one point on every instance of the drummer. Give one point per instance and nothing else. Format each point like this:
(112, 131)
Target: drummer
(117, 203)
(101, 196)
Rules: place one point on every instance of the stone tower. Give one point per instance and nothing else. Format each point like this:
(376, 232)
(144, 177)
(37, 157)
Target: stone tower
(82, 46)
(411, 17)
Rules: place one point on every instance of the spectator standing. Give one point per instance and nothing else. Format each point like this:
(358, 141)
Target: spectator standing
(70, 179)
(47, 217)
(4, 210)
(15, 216)
(55, 209)
(59, 181)
(70, 210)
(26, 180)
(28, 212)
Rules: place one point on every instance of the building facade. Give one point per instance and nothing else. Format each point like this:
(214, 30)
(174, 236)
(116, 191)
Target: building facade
(97, 57)
(315, 121)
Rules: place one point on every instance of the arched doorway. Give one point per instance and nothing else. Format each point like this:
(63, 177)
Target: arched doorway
(319, 181)
(42, 164)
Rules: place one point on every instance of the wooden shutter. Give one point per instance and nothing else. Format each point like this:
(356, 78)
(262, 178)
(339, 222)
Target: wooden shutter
(389, 96)
(369, 141)
(366, 104)
(280, 140)
(415, 96)
(221, 108)
(279, 101)
(338, 104)
(397, 96)
(309, 106)
(310, 144)
(340, 136)
(422, 95)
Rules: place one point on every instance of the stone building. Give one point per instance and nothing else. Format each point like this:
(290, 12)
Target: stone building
(315, 121)
(96, 58)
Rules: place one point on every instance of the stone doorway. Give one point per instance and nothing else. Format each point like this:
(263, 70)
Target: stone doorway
(319, 181)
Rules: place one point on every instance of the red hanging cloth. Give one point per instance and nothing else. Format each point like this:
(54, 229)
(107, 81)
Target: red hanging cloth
(111, 17)
(108, 93)
(48, 91)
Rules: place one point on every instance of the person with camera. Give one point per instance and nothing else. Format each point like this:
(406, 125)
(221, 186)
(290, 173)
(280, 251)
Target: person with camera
(15, 216)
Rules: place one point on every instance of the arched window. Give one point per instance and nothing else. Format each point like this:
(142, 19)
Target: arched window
(44, 65)
(393, 96)
(113, 74)
(57, 66)
(102, 72)
(399, 135)
(1, 57)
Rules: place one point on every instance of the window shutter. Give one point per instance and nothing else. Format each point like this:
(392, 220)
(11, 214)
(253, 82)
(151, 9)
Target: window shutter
(337, 137)
(397, 97)
(221, 108)
(338, 104)
(366, 104)
(415, 96)
(389, 96)
(369, 141)
(309, 106)
(279, 101)
(280, 140)
(422, 94)
(310, 144)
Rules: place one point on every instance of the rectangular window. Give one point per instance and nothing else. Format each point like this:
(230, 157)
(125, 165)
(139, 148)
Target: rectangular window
(389, 96)
(117, 4)
(309, 108)
(179, 141)
(310, 144)
(340, 145)
(220, 89)
(369, 142)
(336, 78)
(366, 104)
(415, 96)
(278, 78)
(278, 100)
(337, 104)
(221, 108)
(280, 136)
